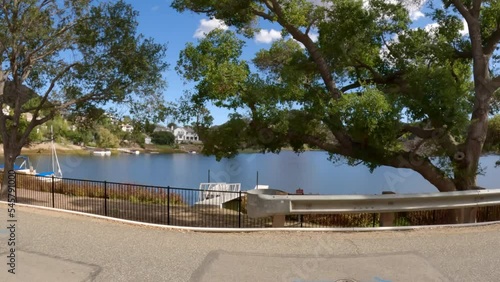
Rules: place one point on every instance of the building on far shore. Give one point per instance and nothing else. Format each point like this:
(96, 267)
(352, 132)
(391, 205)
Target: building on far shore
(127, 127)
(185, 134)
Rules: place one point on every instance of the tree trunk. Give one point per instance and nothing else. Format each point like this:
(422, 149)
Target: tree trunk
(10, 155)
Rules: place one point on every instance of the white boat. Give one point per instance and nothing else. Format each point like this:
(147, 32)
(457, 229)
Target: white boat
(101, 153)
(22, 164)
(127, 151)
(56, 173)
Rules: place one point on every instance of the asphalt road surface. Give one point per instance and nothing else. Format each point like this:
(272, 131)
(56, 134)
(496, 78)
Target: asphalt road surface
(55, 246)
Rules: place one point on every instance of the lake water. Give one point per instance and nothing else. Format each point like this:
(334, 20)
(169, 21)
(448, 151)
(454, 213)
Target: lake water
(287, 171)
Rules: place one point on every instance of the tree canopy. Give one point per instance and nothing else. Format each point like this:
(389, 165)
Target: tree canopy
(372, 89)
(72, 56)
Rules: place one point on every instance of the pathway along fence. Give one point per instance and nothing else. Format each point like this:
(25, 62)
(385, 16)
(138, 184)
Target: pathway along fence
(176, 206)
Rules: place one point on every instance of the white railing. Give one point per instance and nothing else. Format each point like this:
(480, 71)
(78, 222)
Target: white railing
(263, 203)
(218, 190)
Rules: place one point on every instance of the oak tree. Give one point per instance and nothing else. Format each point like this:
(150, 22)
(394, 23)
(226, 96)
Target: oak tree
(373, 88)
(61, 56)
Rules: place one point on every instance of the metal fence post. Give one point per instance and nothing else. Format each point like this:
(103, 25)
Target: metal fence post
(239, 209)
(52, 190)
(168, 205)
(15, 188)
(105, 198)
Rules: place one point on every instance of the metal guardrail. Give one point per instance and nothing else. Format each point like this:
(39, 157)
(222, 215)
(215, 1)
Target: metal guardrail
(263, 203)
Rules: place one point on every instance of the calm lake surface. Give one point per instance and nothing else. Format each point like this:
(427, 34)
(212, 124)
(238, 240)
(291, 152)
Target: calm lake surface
(287, 171)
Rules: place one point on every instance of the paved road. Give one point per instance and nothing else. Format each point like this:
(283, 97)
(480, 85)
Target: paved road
(54, 246)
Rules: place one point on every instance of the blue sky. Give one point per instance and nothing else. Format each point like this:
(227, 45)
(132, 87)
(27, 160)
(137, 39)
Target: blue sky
(159, 21)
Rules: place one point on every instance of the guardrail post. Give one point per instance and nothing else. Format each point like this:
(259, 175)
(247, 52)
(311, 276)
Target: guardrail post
(239, 209)
(387, 218)
(469, 215)
(279, 220)
(52, 191)
(105, 198)
(168, 205)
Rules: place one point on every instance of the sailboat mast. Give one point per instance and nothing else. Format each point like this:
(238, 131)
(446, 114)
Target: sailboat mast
(56, 168)
(52, 148)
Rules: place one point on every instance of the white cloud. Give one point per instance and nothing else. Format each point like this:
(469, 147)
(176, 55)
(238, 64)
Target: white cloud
(267, 36)
(415, 15)
(314, 36)
(155, 8)
(465, 30)
(431, 27)
(208, 25)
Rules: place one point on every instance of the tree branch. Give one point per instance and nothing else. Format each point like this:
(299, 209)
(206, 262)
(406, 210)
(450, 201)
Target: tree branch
(408, 160)
(34, 123)
(495, 83)
(476, 8)
(310, 25)
(418, 131)
(51, 87)
(311, 47)
(351, 86)
(492, 41)
(263, 15)
(375, 73)
(425, 168)
(462, 10)
(463, 55)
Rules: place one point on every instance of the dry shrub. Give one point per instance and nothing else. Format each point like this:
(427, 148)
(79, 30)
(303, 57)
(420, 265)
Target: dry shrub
(97, 189)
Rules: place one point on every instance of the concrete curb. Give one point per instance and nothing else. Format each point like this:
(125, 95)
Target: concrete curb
(270, 229)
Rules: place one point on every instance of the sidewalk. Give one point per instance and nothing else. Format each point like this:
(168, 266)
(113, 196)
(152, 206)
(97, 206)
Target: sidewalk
(54, 246)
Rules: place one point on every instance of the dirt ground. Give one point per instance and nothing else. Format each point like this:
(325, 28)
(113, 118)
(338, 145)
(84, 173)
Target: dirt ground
(44, 148)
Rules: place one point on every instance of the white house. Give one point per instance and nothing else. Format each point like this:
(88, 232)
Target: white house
(127, 127)
(6, 110)
(185, 134)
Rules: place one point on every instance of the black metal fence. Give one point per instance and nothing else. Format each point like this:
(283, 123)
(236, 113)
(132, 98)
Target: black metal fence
(184, 206)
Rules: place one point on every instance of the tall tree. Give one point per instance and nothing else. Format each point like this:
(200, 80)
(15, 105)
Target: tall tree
(372, 89)
(71, 55)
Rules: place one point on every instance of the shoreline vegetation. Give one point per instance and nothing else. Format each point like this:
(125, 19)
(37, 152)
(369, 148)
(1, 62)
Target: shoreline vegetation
(44, 148)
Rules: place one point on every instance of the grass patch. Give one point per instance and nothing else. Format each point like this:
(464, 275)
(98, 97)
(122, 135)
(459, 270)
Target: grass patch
(164, 149)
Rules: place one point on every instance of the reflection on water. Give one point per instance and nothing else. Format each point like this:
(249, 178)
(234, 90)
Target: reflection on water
(288, 171)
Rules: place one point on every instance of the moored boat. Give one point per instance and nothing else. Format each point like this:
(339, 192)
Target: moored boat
(103, 152)
(22, 164)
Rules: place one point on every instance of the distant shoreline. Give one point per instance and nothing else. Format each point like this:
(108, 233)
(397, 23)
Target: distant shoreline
(69, 149)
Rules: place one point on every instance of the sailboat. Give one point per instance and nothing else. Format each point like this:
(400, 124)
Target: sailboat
(56, 173)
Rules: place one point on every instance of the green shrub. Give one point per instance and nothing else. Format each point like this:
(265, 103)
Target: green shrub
(163, 138)
(492, 142)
